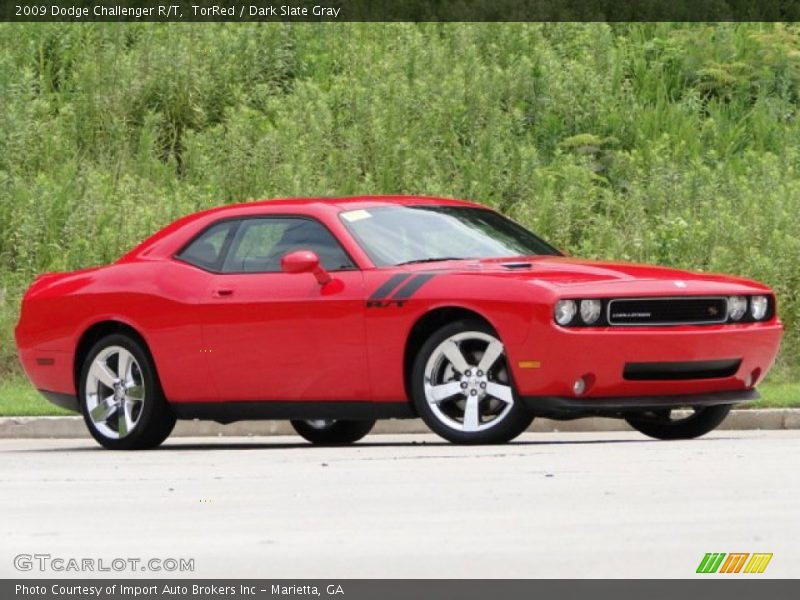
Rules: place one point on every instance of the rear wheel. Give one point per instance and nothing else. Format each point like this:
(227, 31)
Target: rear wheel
(663, 425)
(121, 398)
(331, 432)
(462, 388)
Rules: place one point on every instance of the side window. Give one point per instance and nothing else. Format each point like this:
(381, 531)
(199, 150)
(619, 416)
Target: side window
(207, 250)
(260, 243)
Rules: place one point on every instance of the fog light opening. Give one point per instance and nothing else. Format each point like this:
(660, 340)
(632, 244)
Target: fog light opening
(583, 384)
(752, 378)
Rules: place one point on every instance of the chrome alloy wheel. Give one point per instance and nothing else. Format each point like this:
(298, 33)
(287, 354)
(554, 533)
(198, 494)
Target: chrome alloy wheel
(467, 383)
(115, 392)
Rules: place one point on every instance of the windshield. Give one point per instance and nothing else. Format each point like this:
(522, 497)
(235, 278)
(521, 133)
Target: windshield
(396, 235)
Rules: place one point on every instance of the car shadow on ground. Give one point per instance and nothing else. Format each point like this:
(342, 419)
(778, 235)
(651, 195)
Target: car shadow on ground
(261, 445)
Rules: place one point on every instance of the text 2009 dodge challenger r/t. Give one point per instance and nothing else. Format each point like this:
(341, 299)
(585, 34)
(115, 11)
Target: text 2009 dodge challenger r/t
(334, 313)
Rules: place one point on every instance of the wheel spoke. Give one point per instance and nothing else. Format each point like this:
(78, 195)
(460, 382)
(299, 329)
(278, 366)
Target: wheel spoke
(103, 374)
(437, 393)
(501, 392)
(103, 410)
(493, 351)
(453, 354)
(124, 363)
(471, 414)
(124, 419)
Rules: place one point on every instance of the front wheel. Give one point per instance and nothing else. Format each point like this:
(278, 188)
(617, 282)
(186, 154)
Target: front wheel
(121, 397)
(661, 424)
(331, 432)
(462, 387)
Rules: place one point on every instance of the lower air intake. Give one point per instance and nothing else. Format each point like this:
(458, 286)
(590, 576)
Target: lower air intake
(662, 371)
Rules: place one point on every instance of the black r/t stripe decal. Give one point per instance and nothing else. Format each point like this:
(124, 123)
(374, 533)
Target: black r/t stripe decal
(408, 289)
(389, 285)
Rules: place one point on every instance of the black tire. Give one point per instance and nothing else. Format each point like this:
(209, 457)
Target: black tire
(155, 418)
(335, 433)
(509, 426)
(659, 425)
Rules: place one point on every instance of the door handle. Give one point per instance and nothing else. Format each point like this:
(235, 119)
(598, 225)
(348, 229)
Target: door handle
(222, 293)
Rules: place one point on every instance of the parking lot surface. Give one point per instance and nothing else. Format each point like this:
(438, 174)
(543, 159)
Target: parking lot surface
(594, 504)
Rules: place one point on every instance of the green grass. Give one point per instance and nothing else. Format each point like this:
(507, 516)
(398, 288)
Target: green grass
(778, 395)
(18, 398)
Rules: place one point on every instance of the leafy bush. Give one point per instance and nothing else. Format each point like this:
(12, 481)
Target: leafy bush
(674, 144)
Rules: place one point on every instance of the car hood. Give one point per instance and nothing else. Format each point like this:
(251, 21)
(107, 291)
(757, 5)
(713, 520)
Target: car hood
(566, 275)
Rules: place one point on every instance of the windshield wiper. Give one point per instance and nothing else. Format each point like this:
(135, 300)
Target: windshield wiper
(427, 260)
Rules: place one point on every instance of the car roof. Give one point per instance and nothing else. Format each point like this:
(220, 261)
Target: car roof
(341, 203)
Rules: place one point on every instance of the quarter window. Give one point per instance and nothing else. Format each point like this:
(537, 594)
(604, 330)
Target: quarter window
(207, 250)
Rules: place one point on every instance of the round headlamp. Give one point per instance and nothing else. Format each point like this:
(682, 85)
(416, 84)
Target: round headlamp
(758, 307)
(737, 306)
(590, 311)
(565, 311)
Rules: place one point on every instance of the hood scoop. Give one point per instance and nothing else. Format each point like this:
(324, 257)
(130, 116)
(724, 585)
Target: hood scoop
(516, 266)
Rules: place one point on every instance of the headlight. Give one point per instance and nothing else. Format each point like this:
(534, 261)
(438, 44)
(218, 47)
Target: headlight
(737, 306)
(758, 307)
(565, 311)
(590, 311)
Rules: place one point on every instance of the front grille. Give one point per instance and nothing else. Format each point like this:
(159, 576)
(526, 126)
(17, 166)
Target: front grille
(667, 311)
(697, 369)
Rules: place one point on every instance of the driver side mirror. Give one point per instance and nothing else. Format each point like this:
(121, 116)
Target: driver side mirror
(305, 261)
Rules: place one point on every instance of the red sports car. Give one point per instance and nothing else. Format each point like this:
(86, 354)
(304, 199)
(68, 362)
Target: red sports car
(336, 312)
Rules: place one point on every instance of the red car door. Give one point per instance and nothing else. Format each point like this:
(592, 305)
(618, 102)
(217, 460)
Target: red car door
(277, 336)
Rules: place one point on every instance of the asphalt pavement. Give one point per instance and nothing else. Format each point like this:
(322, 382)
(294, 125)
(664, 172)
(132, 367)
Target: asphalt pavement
(590, 504)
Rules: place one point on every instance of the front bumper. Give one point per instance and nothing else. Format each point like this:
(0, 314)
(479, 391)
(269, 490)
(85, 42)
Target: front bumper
(552, 359)
(554, 407)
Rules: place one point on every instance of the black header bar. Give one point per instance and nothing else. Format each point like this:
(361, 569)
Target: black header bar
(399, 10)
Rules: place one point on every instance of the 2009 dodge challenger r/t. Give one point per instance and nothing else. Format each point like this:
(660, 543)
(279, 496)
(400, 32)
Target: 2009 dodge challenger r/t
(336, 312)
